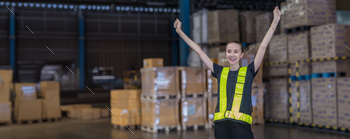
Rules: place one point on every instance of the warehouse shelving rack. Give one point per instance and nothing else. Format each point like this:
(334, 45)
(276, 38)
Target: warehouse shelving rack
(291, 122)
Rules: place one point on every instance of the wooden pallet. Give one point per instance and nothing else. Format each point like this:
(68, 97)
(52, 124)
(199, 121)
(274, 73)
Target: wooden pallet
(131, 127)
(297, 29)
(194, 127)
(51, 120)
(164, 129)
(6, 123)
(28, 121)
(212, 94)
(156, 97)
(194, 95)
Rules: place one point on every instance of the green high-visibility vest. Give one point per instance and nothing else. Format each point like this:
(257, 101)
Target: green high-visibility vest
(237, 99)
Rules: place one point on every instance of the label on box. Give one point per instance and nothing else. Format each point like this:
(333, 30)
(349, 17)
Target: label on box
(192, 109)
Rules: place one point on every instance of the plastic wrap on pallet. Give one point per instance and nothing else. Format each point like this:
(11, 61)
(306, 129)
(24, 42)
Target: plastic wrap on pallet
(324, 104)
(193, 111)
(223, 26)
(299, 46)
(25, 90)
(125, 99)
(343, 87)
(212, 102)
(277, 96)
(160, 113)
(247, 25)
(200, 26)
(193, 80)
(126, 117)
(258, 104)
(212, 83)
(305, 101)
(330, 40)
(160, 81)
(310, 12)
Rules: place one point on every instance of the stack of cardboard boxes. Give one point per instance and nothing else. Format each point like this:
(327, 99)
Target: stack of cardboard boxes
(85, 111)
(247, 25)
(263, 25)
(305, 101)
(5, 104)
(192, 80)
(200, 26)
(277, 101)
(324, 101)
(27, 106)
(343, 87)
(258, 104)
(223, 26)
(278, 53)
(310, 12)
(50, 92)
(193, 112)
(126, 107)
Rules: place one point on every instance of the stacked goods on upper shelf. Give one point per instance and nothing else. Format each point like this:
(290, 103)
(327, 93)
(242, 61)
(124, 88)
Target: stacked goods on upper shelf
(263, 25)
(5, 104)
(160, 81)
(193, 112)
(126, 106)
(324, 101)
(200, 27)
(329, 41)
(284, 9)
(223, 26)
(310, 12)
(152, 62)
(343, 88)
(278, 53)
(247, 25)
(193, 80)
(277, 100)
(27, 106)
(50, 92)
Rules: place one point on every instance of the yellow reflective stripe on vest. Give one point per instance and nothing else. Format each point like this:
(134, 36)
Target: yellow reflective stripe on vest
(237, 99)
(223, 98)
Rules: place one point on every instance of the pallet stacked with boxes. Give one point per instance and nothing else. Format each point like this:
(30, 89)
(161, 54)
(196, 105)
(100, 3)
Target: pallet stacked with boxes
(223, 26)
(193, 97)
(5, 103)
(212, 90)
(126, 108)
(160, 93)
(50, 93)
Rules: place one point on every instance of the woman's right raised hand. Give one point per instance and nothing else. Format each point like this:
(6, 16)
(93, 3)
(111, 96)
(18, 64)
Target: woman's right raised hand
(177, 25)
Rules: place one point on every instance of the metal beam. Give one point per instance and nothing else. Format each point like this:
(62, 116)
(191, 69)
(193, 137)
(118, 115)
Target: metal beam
(12, 40)
(174, 48)
(184, 6)
(81, 50)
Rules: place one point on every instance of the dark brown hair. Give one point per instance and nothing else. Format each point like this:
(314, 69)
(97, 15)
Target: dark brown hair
(237, 42)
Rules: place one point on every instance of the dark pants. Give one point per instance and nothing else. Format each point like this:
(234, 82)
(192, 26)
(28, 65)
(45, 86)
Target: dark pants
(232, 130)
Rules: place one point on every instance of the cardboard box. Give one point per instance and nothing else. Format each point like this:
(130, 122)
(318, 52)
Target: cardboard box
(192, 80)
(28, 109)
(304, 68)
(247, 26)
(125, 104)
(160, 113)
(277, 99)
(5, 83)
(278, 70)
(86, 114)
(278, 48)
(125, 94)
(160, 81)
(212, 83)
(305, 101)
(26, 90)
(214, 51)
(73, 111)
(126, 117)
(223, 26)
(212, 103)
(96, 113)
(324, 104)
(153, 62)
(5, 112)
(343, 88)
(193, 111)
(332, 42)
(47, 86)
(263, 24)
(51, 108)
(299, 46)
(200, 26)
(258, 104)
(341, 66)
(104, 113)
(323, 12)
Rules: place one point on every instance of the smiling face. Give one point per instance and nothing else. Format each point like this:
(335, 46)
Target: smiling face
(233, 52)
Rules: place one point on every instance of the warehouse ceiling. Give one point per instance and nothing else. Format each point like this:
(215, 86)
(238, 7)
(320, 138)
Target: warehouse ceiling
(195, 4)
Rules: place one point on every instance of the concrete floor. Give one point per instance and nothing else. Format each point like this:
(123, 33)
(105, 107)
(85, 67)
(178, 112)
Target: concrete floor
(102, 129)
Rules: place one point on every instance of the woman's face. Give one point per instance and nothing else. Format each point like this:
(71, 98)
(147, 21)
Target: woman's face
(233, 53)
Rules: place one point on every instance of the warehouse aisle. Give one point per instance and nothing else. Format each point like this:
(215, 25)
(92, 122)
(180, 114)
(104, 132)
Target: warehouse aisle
(101, 129)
